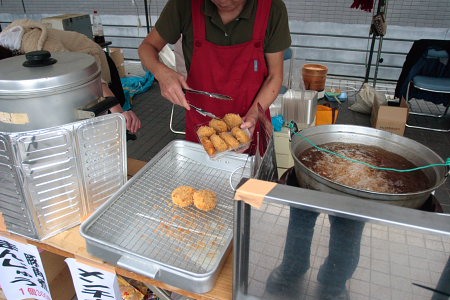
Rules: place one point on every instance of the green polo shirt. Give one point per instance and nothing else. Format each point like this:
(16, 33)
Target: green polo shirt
(176, 19)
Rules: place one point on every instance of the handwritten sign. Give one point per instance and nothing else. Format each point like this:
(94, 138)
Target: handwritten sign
(22, 274)
(93, 283)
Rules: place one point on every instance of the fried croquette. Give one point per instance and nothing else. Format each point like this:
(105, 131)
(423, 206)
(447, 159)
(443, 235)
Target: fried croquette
(205, 199)
(208, 145)
(232, 142)
(218, 125)
(218, 143)
(233, 120)
(240, 135)
(183, 195)
(205, 131)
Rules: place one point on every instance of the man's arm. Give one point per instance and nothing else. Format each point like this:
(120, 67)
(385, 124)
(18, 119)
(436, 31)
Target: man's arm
(269, 90)
(169, 80)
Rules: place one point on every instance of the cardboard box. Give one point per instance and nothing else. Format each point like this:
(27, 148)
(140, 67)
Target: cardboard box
(282, 150)
(390, 118)
(58, 276)
(117, 56)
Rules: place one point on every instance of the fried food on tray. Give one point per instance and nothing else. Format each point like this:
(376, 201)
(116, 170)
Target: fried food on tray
(240, 135)
(219, 143)
(208, 145)
(233, 120)
(218, 125)
(183, 195)
(231, 141)
(129, 292)
(205, 131)
(205, 199)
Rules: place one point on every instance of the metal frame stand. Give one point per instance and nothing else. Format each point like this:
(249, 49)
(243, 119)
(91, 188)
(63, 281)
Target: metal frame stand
(171, 122)
(427, 114)
(381, 9)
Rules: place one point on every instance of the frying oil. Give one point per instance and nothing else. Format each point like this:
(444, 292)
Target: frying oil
(361, 176)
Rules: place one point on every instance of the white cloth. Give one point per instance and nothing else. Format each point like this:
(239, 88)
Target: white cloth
(12, 38)
(180, 65)
(167, 57)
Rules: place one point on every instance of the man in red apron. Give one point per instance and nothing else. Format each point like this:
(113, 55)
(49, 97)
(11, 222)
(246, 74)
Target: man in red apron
(231, 47)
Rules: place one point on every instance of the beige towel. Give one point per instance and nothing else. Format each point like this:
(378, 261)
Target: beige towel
(38, 37)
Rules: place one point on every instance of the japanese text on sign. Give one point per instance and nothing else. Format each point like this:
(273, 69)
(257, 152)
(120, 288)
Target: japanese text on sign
(22, 275)
(92, 283)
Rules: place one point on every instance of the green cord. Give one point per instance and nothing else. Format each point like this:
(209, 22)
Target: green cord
(447, 163)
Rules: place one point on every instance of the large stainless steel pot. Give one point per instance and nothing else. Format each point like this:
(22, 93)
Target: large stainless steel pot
(40, 90)
(413, 151)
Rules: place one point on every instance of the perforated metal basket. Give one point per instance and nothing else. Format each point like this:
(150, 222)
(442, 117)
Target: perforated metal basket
(140, 228)
(51, 178)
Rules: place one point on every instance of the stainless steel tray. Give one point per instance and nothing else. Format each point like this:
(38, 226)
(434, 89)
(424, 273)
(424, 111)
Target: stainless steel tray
(140, 229)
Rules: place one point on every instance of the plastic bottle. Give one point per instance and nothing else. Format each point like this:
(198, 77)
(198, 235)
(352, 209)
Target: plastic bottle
(97, 28)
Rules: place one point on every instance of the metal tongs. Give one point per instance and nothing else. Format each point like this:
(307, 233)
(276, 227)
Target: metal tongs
(212, 95)
(204, 112)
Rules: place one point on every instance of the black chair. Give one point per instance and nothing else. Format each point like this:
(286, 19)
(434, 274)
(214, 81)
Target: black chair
(426, 75)
(433, 85)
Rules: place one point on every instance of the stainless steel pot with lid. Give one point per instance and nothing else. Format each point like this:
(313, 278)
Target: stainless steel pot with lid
(413, 151)
(43, 89)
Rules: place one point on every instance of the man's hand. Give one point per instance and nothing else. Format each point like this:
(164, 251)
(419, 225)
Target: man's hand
(250, 120)
(171, 84)
(133, 122)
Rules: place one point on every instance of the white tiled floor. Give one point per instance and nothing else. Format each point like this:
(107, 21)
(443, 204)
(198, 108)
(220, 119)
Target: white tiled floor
(392, 258)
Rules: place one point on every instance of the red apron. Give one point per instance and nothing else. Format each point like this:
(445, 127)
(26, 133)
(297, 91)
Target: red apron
(237, 71)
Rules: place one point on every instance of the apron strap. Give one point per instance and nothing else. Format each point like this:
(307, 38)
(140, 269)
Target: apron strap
(198, 20)
(262, 20)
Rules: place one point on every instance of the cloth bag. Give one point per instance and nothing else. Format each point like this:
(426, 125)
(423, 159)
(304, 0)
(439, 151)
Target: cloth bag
(365, 98)
(133, 86)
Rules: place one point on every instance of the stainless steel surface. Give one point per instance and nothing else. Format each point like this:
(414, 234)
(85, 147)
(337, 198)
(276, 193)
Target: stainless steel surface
(42, 97)
(212, 95)
(398, 246)
(13, 206)
(140, 228)
(53, 177)
(204, 112)
(413, 151)
(102, 155)
(300, 107)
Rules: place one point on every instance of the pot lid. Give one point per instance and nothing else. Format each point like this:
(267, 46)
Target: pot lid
(42, 72)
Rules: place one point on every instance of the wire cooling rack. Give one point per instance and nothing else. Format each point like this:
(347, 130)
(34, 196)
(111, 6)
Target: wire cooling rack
(142, 220)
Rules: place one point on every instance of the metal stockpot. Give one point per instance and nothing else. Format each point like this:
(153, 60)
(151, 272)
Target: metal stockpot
(411, 150)
(40, 90)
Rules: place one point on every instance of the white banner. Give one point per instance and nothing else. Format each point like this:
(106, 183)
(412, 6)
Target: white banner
(22, 274)
(93, 283)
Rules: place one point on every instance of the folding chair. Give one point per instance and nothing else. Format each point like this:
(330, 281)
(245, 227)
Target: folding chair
(433, 85)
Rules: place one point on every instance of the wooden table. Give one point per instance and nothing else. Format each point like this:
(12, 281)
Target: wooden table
(71, 244)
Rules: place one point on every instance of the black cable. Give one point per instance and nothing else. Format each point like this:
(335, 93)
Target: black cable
(24, 9)
(146, 16)
(431, 289)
